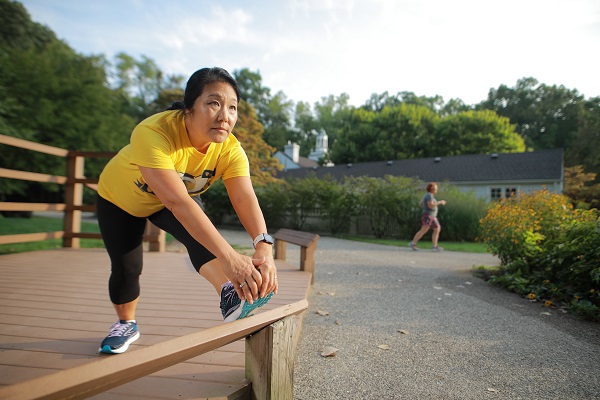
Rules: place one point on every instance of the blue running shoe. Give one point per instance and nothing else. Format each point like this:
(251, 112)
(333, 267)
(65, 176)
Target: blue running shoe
(232, 307)
(121, 335)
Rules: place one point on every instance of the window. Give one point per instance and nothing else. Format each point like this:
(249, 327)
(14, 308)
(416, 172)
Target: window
(510, 192)
(496, 193)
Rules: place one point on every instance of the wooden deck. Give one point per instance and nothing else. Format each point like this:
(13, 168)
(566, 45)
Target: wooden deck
(55, 311)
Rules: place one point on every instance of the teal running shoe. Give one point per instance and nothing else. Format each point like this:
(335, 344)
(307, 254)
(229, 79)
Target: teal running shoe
(232, 307)
(121, 335)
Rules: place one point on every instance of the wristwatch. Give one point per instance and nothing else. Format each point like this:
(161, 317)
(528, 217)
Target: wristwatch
(263, 237)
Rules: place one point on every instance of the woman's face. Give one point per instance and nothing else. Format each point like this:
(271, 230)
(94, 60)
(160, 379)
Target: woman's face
(213, 116)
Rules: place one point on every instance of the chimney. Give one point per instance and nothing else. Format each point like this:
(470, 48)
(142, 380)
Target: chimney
(292, 150)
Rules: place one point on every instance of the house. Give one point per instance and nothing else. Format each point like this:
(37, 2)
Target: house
(490, 176)
(290, 157)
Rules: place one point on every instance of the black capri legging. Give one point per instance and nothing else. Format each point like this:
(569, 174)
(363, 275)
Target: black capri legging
(123, 236)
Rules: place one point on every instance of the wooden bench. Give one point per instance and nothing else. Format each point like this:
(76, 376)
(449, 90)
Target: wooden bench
(307, 242)
(270, 352)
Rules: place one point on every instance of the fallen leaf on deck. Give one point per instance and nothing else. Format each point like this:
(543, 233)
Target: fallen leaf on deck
(328, 351)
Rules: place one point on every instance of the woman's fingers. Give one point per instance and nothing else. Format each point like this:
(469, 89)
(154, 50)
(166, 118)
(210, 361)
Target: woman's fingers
(268, 272)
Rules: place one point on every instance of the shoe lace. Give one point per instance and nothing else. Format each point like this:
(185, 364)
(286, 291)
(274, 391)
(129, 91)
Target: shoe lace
(118, 329)
(227, 297)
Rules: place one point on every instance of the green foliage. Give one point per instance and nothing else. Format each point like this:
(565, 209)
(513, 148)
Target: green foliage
(274, 202)
(473, 132)
(586, 141)
(54, 96)
(460, 217)
(546, 116)
(216, 202)
(547, 248)
(304, 198)
(273, 112)
(376, 200)
(580, 187)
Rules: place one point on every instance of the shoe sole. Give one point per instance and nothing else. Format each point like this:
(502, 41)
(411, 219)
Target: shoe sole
(109, 350)
(246, 308)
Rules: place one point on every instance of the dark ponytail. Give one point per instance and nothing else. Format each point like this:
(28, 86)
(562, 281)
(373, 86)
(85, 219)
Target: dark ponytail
(177, 105)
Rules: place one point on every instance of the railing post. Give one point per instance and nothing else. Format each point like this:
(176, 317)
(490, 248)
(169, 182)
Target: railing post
(73, 198)
(280, 249)
(156, 238)
(270, 357)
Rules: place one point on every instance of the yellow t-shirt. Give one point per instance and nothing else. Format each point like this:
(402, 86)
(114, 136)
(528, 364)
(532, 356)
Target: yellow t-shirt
(161, 141)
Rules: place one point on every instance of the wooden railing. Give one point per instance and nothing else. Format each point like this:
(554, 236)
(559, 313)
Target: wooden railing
(74, 183)
(305, 240)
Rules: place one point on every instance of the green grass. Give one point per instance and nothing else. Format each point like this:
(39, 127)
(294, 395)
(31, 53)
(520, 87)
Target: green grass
(13, 226)
(467, 247)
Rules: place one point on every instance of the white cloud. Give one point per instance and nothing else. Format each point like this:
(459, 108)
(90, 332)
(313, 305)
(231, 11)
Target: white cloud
(313, 48)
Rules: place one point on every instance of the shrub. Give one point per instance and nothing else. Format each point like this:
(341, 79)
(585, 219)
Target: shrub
(548, 250)
(460, 217)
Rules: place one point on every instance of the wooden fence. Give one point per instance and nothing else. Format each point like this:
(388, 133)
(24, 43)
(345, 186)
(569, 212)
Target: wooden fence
(74, 184)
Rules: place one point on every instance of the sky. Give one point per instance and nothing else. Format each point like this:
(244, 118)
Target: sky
(310, 49)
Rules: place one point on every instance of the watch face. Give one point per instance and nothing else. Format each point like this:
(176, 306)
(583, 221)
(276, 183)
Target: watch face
(268, 238)
(264, 237)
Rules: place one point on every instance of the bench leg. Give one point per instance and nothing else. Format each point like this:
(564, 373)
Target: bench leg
(270, 357)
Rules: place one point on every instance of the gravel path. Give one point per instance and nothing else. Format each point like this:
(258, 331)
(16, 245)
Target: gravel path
(445, 334)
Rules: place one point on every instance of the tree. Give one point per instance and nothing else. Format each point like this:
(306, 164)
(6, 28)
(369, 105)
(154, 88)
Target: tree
(54, 96)
(278, 129)
(475, 132)
(304, 123)
(355, 138)
(248, 130)
(586, 142)
(332, 115)
(143, 86)
(545, 116)
(580, 187)
(273, 112)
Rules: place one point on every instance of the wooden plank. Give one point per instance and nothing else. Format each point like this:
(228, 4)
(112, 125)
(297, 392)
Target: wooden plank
(96, 377)
(14, 206)
(296, 237)
(30, 237)
(31, 176)
(26, 144)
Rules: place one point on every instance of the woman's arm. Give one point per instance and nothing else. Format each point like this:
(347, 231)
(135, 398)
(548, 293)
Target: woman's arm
(171, 191)
(244, 201)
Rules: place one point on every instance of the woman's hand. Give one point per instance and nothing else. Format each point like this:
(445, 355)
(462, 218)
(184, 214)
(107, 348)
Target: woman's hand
(242, 272)
(263, 260)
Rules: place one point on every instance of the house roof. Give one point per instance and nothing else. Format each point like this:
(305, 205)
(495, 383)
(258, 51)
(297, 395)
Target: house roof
(538, 165)
(303, 162)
